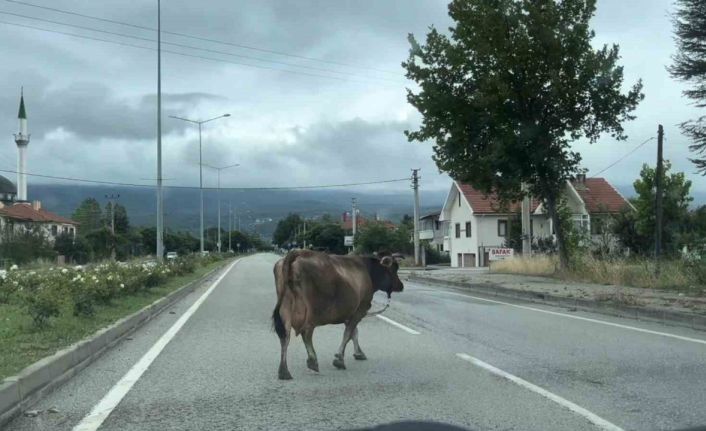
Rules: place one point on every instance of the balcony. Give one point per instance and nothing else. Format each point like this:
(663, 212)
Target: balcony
(426, 234)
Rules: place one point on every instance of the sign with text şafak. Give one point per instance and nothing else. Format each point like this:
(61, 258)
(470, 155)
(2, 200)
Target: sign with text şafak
(500, 253)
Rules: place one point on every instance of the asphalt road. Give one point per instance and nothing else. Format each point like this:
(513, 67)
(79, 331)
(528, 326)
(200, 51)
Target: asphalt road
(456, 359)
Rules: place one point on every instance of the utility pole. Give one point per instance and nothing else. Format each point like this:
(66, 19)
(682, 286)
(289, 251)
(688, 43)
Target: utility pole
(230, 226)
(354, 220)
(111, 199)
(304, 234)
(160, 203)
(658, 199)
(415, 186)
(526, 234)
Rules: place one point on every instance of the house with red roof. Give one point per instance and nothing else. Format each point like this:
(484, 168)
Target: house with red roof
(23, 216)
(476, 222)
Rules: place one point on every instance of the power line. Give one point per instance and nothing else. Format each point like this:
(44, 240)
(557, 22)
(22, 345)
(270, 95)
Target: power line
(115, 183)
(213, 51)
(205, 39)
(622, 158)
(185, 54)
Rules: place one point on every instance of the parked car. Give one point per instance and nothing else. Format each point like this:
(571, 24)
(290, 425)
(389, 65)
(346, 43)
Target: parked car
(171, 255)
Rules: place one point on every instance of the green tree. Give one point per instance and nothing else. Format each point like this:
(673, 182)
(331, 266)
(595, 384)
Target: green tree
(89, 215)
(122, 221)
(374, 237)
(328, 235)
(636, 230)
(675, 204)
(690, 66)
(505, 95)
(286, 228)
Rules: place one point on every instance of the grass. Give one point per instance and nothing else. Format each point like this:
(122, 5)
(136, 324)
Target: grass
(539, 265)
(22, 343)
(635, 272)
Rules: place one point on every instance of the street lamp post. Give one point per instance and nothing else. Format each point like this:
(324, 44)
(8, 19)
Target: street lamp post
(219, 169)
(200, 123)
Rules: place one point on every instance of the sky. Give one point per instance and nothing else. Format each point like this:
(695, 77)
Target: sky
(294, 121)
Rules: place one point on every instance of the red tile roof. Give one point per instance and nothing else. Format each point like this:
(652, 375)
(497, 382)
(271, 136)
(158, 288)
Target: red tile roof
(482, 204)
(599, 196)
(25, 212)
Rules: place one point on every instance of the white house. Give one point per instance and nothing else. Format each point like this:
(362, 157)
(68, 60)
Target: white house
(24, 216)
(477, 222)
(433, 230)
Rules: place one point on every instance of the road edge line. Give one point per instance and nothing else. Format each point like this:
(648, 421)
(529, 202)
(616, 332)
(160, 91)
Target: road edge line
(100, 412)
(672, 318)
(399, 325)
(37, 380)
(585, 319)
(573, 407)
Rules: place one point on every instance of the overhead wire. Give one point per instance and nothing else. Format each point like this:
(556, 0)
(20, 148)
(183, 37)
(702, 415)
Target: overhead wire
(116, 183)
(196, 48)
(204, 39)
(190, 55)
(623, 157)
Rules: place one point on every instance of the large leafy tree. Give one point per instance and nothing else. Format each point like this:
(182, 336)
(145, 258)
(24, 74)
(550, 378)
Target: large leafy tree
(286, 228)
(690, 66)
(636, 229)
(328, 235)
(508, 90)
(89, 215)
(675, 206)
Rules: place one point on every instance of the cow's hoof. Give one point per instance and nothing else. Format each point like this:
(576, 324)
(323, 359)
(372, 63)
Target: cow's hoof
(360, 356)
(338, 362)
(313, 364)
(284, 374)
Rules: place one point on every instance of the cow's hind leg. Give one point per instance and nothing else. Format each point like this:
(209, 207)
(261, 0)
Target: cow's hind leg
(358, 352)
(283, 329)
(311, 361)
(347, 334)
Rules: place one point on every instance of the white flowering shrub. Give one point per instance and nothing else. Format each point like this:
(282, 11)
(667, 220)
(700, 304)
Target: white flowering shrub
(45, 293)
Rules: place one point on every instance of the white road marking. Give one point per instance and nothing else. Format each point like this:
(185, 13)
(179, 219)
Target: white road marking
(585, 319)
(592, 417)
(102, 410)
(399, 325)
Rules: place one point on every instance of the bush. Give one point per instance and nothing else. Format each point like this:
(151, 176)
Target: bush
(41, 301)
(433, 256)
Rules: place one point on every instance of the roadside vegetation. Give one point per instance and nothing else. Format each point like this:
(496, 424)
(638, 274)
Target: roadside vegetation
(47, 309)
(685, 276)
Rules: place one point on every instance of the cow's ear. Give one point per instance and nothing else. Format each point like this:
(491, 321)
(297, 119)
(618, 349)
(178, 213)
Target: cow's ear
(387, 261)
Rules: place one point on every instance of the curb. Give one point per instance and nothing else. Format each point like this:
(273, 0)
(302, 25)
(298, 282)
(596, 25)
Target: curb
(687, 320)
(19, 392)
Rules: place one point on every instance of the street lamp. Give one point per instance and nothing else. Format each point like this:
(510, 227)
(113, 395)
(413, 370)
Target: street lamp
(219, 169)
(200, 122)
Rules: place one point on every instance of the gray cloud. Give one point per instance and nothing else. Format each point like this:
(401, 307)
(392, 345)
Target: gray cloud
(92, 104)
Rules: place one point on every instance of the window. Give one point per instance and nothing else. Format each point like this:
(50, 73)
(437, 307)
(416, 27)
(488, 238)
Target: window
(468, 229)
(597, 226)
(458, 230)
(459, 199)
(437, 225)
(54, 229)
(502, 227)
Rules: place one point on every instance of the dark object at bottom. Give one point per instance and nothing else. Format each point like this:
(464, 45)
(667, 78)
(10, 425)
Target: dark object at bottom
(414, 426)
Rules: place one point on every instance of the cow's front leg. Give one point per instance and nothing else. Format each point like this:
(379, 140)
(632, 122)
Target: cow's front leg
(358, 352)
(347, 334)
(311, 360)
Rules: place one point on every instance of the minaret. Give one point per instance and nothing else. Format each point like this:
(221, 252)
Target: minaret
(22, 139)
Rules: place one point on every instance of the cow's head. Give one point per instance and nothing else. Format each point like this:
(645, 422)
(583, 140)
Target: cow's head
(391, 266)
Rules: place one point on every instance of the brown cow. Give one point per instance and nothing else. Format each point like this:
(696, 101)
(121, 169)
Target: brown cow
(315, 289)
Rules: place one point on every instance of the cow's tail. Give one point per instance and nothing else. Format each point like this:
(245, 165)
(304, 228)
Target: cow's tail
(287, 283)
